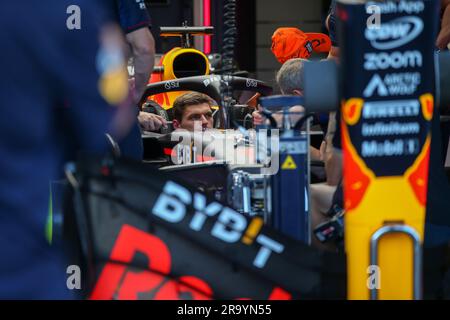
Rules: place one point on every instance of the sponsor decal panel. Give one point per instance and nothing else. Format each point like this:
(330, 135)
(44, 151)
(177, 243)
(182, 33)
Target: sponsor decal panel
(152, 263)
(386, 120)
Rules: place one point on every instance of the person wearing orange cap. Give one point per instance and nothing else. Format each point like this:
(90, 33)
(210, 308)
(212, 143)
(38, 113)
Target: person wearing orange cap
(293, 47)
(289, 43)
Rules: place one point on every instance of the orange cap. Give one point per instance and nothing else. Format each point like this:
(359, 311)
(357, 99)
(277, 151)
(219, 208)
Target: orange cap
(288, 43)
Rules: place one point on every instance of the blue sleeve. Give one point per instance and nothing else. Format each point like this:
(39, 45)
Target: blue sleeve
(133, 15)
(332, 24)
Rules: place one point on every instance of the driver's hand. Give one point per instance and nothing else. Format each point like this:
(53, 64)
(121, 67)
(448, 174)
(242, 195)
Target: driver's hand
(151, 122)
(258, 118)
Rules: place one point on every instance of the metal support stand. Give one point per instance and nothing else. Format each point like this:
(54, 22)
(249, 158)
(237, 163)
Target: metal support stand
(389, 229)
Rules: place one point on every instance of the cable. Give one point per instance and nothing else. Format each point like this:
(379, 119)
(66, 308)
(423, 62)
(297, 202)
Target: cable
(228, 52)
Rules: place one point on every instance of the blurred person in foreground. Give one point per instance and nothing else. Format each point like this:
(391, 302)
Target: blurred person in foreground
(60, 86)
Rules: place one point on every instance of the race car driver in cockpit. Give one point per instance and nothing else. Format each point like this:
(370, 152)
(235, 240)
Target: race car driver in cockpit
(192, 112)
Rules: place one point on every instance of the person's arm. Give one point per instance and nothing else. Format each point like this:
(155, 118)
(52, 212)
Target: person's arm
(443, 39)
(334, 53)
(135, 22)
(332, 156)
(150, 121)
(142, 46)
(258, 118)
(314, 154)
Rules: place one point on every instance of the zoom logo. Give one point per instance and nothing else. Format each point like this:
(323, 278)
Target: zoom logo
(394, 60)
(395, 33)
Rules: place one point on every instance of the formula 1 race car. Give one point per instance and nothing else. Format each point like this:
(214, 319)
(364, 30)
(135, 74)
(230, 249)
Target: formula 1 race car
(184, 69)
(180, 62)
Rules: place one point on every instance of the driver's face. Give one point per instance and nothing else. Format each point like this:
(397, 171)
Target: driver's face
(197, 117)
